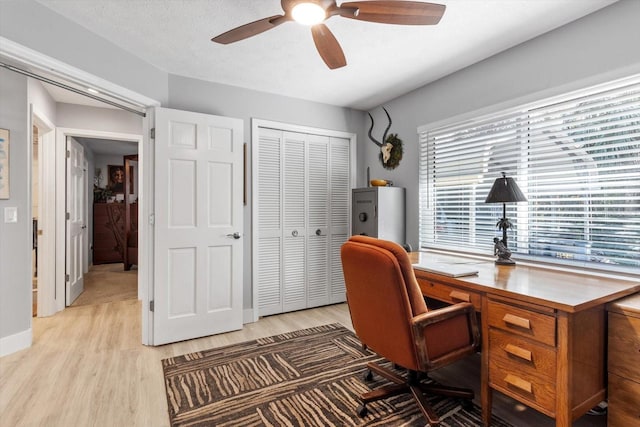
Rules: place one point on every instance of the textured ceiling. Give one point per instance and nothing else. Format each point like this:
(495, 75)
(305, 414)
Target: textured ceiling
(384, 61)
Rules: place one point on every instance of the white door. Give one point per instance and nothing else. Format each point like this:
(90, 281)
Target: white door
(198, 193)
(76, 227)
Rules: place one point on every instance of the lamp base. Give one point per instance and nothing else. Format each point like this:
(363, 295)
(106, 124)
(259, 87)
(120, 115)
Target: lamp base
(503, 261)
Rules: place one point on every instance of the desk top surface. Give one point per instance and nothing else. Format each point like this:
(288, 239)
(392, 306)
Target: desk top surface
(563, 290)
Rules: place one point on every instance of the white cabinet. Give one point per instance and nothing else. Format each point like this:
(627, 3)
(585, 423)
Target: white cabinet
(301, 212)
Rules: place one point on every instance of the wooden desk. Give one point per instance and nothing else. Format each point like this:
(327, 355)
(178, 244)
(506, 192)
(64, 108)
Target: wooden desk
(543, 331)
(624, 362)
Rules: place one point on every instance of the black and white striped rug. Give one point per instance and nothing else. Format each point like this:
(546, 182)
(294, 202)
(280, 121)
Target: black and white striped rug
(311, 377)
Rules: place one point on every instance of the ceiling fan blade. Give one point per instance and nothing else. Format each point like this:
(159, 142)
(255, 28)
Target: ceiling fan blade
(328, 47)
(396, 12)
(251, 29)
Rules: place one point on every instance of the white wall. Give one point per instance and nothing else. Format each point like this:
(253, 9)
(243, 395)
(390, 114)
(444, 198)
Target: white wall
(43, 104)
(599, 47)
(100, 119)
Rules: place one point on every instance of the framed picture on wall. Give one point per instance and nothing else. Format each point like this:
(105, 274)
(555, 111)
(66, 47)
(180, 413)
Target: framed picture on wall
(116, 179)
(4, 164)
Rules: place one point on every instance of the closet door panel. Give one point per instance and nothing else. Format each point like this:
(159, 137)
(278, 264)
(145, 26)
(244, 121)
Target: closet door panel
(294, 217)
(318, 221)
(294, 286)
(340, 191)
(269, 272)
(268, 263)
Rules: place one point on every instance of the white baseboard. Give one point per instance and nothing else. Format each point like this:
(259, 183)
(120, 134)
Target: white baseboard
(247, 316)
(15, 342)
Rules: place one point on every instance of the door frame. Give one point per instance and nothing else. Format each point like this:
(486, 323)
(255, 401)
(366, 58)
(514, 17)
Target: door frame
(46, 213)
(28, 57)
(256, 124)
(61, 192)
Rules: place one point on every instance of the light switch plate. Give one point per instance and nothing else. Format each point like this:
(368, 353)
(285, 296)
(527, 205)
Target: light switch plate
(10, 214)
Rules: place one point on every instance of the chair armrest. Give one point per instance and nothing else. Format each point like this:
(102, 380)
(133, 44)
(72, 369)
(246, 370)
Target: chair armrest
(446, 334)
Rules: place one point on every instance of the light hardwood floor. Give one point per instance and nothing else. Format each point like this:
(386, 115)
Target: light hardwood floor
(86, 366)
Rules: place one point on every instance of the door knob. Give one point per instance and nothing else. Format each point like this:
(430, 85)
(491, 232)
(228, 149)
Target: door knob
(294, 233)
(235, 235)
(318, 232)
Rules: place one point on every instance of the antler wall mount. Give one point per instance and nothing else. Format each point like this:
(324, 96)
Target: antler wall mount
(390, 147)
(315, 12)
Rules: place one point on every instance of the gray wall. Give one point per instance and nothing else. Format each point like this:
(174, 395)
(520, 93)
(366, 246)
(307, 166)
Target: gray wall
(599, 47)
(15, 238)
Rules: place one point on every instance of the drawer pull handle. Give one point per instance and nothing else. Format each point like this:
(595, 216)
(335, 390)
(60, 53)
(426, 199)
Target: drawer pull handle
(519, 383)
(460, 296)
(519, 352)
(520, 322)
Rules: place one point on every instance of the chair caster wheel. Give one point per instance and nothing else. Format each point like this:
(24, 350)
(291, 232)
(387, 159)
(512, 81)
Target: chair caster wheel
(368, 376)
(362, 411)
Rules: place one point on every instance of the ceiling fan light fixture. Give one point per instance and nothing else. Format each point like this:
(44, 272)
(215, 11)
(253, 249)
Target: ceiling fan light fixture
(308, 13)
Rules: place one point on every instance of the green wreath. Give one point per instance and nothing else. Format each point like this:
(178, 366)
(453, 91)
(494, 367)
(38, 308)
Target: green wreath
(395, 154)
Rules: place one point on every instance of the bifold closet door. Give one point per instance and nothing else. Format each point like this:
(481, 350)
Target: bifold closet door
(302, 212)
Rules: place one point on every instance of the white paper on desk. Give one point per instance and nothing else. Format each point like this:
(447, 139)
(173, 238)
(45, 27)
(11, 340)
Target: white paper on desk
(451, 270)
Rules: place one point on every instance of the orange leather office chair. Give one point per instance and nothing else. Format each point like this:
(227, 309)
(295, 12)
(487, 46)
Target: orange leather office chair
(391, 318)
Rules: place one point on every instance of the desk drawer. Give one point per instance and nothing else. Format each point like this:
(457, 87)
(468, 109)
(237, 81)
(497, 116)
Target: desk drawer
(624, 346)
(528, 323)
(520, 354)
(447, 293)
(624, 402)
(528, 387)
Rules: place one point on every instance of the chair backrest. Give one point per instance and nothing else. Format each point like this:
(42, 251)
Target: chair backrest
(383, 296)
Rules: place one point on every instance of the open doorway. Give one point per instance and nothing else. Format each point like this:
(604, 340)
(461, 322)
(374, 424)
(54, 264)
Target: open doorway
(111, 272)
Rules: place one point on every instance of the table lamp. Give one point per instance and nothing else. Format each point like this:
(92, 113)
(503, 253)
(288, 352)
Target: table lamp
(504, 190)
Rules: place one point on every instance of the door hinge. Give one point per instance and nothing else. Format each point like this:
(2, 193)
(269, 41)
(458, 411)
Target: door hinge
(66, 277)
(152, 133)
(68, 154)
(152, 305)
(67, 215)
(152, 219)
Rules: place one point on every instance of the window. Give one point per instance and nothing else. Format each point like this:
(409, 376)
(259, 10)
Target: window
(577, 159)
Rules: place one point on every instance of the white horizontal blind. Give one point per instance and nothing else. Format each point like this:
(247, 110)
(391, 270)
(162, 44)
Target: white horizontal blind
(576, 159)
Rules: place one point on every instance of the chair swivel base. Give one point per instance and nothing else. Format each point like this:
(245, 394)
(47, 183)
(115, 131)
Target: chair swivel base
(412, 385)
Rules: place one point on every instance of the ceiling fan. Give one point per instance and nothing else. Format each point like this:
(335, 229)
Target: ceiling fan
(315, 12)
